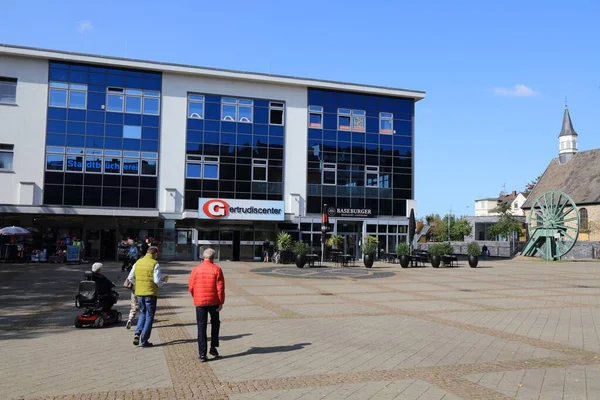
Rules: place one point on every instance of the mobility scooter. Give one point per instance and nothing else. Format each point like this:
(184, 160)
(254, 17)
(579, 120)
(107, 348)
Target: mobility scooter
(88, 298)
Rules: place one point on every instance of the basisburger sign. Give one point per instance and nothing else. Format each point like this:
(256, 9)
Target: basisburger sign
(230, 209)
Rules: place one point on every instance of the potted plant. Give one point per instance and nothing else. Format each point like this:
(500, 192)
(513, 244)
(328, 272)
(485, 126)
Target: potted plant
(284, 244)
(335, 241)
(403, 251)
(436, 251)
(473, 251)
(300, 250)
(369, 249)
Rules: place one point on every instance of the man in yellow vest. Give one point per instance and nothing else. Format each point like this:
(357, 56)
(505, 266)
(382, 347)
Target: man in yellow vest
(147, 278)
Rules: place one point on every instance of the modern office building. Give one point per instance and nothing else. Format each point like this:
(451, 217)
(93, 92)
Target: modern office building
(96, 149)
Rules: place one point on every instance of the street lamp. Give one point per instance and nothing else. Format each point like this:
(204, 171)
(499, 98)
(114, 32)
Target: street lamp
(449, 225)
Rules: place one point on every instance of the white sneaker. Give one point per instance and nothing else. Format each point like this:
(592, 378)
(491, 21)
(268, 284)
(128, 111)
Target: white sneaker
(128, 324)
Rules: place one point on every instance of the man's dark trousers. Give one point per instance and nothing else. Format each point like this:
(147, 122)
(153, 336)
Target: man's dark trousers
(202, 320)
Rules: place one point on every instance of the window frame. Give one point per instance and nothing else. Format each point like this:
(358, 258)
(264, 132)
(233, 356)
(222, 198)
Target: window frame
(260, 163)
(115, 91)
(315, 110)
(132, 126)
(329, 167)
(237, 103)
(120, 159)
(197, 100)
(371, 170)
(148, 159)
(202, 161)
(351, 115)
(277, 106)
(8, 82)
(136, 159)
(584, 226)
(386, 116)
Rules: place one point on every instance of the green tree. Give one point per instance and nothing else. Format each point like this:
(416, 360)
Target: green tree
(459, 228)
(507, 224)
(529, 187)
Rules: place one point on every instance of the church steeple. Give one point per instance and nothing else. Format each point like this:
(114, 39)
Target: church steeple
(567, 139)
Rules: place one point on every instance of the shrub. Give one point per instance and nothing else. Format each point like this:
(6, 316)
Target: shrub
(473, 250)
(300, 248)
(284, 241)
(448, 249)
(369, 246)
(436, 249)
(403, 249)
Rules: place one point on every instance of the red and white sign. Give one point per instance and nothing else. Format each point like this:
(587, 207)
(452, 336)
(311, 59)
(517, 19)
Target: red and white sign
(230, 209)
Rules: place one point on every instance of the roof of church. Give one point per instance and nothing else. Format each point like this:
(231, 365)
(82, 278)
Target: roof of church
(578, 178)
(567, 125)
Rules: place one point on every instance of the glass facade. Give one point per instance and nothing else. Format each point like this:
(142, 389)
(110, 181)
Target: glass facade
(360, 150)
(234, 148)
(102, 136)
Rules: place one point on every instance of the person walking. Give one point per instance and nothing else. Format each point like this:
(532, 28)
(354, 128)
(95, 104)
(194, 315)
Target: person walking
(266, 250)
(147, 278)
(134, 306)
(207, 286)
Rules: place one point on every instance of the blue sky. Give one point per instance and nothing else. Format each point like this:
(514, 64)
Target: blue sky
(496, 73)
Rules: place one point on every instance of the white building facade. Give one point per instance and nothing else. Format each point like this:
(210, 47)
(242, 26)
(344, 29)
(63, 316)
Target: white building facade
(97, 149)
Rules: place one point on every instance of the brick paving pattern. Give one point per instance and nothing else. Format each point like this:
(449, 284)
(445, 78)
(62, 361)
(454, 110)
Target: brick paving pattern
(512, 329)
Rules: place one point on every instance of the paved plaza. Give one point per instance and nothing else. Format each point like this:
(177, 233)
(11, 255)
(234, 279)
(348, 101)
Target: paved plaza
(510, 329)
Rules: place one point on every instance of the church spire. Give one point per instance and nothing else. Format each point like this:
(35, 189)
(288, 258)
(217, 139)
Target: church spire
(567, 139)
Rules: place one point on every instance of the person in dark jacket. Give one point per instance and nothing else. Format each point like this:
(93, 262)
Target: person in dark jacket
(104, 288)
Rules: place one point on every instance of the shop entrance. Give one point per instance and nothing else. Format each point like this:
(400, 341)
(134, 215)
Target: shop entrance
(351, 232)
(101, 244)
(236, 245)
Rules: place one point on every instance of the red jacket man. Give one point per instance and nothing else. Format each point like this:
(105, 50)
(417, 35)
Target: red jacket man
(207, 286)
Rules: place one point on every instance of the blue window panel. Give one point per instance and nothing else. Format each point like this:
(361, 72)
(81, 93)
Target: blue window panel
(386, 104)
(344, 136)
(95, 116)
(58, 98)
(150, 120)
(403, 127)
(114, 130)
(78, 76)
(97, 89)
(260, 129)
(344, 100)
(134, 145)
(94, 142)
(115, 80)
(372, 105)
(373, 125)
(402, 141)
(113, 143)
(275, 141)
(329, 135)
(211, 98)
(373, 139)
(212, 110)
(228, 127)
(152, 75)
(77, 115)
(133, 119)
(329, 145)
(315, 97)
(358, 137)
(193, 148)
(53, 139)
(194, 123)
(261, 103)
(372, 148)
(75, 141)
(228, 138)
(193, 136)
(244, 128)
(95, 78)
(261, 115)
(211, 171)
(150, 145)
(149, 133)
(329, 99)
(134, 82)
(77, 128)
(213, 126)
(260, 140)
(276, 130)
(193, 171)
(132, 132)
(211, 138)
(244, 140)
(57, 113)
(78, 67)
(330, 121)
(59, 75)
(115, 71)
(57, 64)
(385, 149)
(114, 118)
(315, 134)
(151, 106)
(386, 139)
(99, 70)
(151, 84)
(55, 126)
(403, 106)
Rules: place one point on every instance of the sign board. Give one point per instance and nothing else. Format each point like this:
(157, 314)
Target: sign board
(241, 210)
(350, 212)
(73, 253)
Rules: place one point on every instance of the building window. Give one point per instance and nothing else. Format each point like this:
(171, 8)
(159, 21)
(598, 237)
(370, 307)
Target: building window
(239, 110)
(329, 176)
(351, 120)
(112, 165)
(8, 90)
(196, 106)
(149, 167)
(133, 101)
(114, 99)
(259, 170)
(71, 95)
(371, 176)
(202, 167)
(131, 166)
(74, 160)
(583, 220)
(151, 102)
(315, 117)
(276, 113)
(132, 132)
(386, 123)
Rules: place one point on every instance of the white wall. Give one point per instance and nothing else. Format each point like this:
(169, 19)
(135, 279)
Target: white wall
(24, 126)
(173, 131)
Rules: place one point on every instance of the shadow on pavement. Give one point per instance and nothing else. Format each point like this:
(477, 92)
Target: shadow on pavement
(182, 341)
(267, 350)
